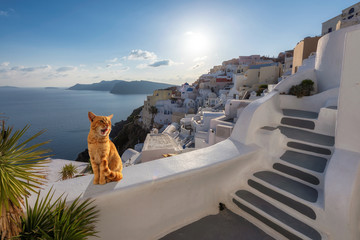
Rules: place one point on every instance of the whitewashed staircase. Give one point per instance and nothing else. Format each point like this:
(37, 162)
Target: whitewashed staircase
(286, 198)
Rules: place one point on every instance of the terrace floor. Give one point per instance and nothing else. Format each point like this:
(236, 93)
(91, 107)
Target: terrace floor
(224, 226)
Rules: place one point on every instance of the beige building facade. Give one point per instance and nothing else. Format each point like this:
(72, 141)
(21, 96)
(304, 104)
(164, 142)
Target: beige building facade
(348, 17)
(146, 115)
(302, 51)
(263, 74)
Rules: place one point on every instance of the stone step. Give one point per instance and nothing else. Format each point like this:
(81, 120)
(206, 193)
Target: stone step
(271, 224)
(300, 113)
(306, 161)
(309, 148)
(276, 213)
(291, 186)
(306, 136)
(296, 173)
(299, 207)
(298, 123)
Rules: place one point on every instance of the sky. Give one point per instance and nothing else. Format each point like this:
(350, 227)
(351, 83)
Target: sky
(46, 43)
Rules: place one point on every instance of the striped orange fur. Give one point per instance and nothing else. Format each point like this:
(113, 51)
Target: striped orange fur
(104, 157)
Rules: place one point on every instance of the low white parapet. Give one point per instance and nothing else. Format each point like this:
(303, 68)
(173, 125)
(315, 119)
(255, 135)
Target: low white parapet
(158, 197)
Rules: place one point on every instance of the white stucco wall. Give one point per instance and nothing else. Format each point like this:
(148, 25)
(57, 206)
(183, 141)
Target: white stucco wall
(262, 112)
(329, 58)
(342, 182)
(310, 103)
(348, 122)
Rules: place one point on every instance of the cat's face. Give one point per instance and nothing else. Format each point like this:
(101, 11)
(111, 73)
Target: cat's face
(101, 125)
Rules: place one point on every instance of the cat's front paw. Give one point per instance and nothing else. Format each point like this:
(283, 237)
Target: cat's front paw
(96, 181)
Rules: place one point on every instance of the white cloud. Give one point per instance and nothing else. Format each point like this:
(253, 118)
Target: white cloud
(198, 59)
(6, 13)
(66, 69)
(197, 65)
(112, 60)
(142, 66)
(110, 65)
(125, 68)
(31, 69)
(160, 63)
(166, 62)
(118, 71)
(5, 64)
(139, 54)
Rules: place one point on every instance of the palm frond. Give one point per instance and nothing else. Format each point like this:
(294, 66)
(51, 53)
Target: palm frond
(20, 165)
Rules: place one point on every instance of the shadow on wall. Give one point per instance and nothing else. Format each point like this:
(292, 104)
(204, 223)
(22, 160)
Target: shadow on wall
(93, 190)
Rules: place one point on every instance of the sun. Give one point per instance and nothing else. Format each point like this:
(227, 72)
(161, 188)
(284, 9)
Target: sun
(196, 43)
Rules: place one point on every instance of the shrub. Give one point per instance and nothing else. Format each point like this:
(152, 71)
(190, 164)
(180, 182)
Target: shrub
(68, 171)
(303, 89)
(55, 220)
(261, 89)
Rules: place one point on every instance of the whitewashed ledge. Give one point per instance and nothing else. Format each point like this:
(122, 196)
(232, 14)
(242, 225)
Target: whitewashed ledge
(160, 196)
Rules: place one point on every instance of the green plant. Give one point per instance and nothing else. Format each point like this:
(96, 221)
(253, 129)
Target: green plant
(55, 220)
(262, 87)
(303, 89)
(21, 172)
(68, 171)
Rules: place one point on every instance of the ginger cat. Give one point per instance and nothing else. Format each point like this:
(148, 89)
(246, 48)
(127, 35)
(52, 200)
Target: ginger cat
(105, 160)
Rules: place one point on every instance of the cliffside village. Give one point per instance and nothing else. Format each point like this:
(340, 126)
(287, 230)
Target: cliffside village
(197, 115)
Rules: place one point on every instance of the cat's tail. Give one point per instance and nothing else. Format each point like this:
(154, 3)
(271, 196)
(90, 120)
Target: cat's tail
(112, 175)
(115, 176)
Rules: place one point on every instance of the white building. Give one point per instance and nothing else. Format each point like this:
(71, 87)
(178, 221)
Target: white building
(156, 145)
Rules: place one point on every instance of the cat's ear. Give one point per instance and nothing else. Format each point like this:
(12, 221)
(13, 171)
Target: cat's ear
(111, 116)
(91, 116)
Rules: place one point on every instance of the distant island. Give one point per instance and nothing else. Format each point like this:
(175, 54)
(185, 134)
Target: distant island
(53, 88)
(122, 87)
(7, 87)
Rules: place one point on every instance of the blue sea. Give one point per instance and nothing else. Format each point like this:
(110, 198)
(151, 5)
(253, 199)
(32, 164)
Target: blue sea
(63, 113)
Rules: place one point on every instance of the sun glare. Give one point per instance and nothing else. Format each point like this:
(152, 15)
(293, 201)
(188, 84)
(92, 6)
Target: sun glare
(196, 43)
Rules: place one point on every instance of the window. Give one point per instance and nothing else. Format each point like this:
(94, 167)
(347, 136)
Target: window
(350, 17)
(351, 11)
(330, 30)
